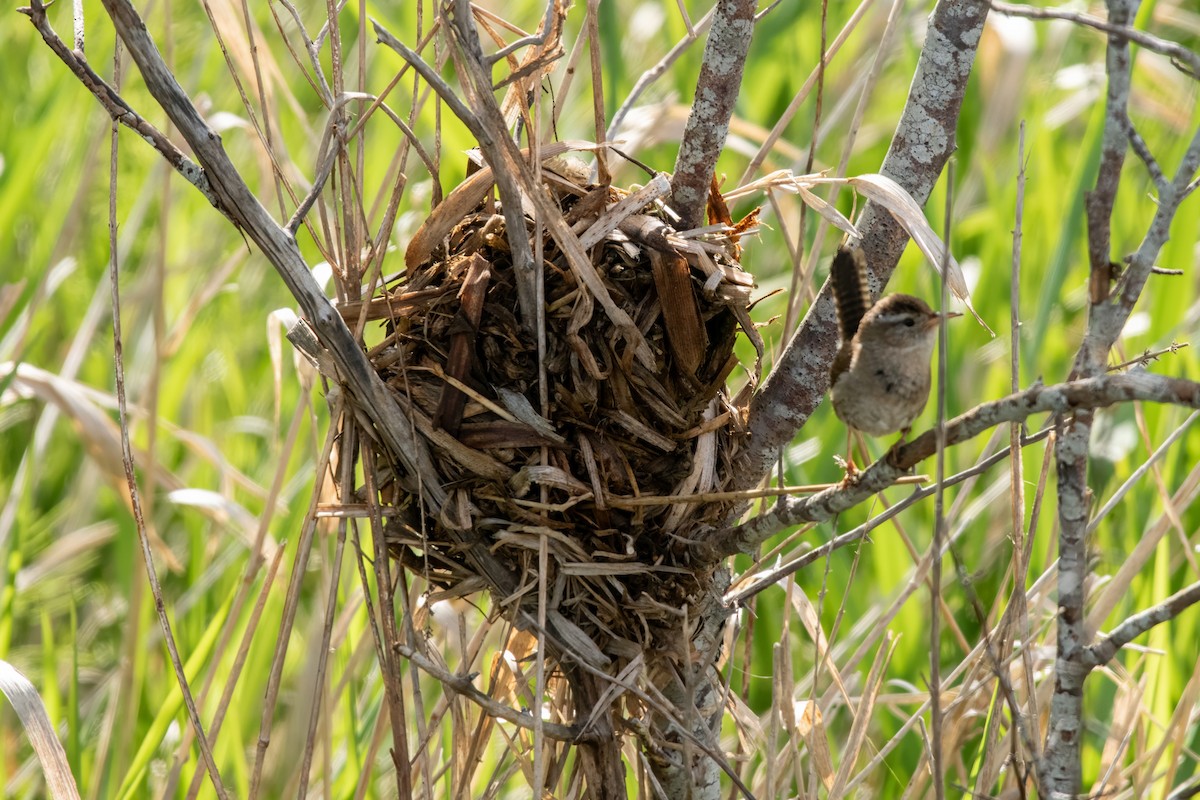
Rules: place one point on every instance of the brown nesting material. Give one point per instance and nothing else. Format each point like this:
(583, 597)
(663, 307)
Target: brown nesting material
(520, 462)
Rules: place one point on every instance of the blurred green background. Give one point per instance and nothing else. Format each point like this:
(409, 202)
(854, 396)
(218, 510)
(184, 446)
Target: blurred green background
(215, 394)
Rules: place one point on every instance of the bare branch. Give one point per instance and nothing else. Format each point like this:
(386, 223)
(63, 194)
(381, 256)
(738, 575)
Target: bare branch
(236, 200)
(1141, 263)
(462, 685)
(525, 41)
(116, 106)
(708, 124)
(923, 142)
(1060, 399)
(1060, 771)
(809, 557)
(1143, 152)
(1103, 651)
(1176, 52)
(1150, 356)
(1113, 146)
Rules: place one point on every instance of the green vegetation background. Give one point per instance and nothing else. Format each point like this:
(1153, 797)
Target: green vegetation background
(75, 613)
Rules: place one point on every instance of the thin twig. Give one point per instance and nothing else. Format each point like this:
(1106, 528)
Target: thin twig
(1103, 651)
(116, 106)
(536, 39)
(346, 465)
(1143, 152)
(1176, 52)
(392, 688)
(764, 580)
(651, 75)
(290, 605)
(1149, 356)
(801, 95)
(462, 685)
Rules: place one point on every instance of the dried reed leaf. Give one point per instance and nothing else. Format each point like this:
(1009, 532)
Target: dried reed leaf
(32, 713)
(892, 196)
(685, 330)
(462, 342)
(463, 199)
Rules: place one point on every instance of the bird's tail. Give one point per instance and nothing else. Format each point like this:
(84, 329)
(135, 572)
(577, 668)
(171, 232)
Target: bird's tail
(850, 293)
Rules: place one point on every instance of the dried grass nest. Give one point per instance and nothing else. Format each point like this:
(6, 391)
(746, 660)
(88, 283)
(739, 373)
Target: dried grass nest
(590, 461)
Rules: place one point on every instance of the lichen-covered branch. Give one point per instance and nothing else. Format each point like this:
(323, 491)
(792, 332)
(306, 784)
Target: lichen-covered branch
(708, 124)
(1103, 651)
(1075, 396)
(923, 142)
(1060, 771)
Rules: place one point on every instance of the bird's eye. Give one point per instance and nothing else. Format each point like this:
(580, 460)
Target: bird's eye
(909, 322)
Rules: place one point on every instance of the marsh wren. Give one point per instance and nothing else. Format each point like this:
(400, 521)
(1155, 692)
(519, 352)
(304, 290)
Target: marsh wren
(880, 376)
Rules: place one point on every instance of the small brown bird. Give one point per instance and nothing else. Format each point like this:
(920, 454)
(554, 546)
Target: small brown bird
(880, 376)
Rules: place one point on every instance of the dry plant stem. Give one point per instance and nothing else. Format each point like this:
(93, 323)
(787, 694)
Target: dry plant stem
(1136, 476)
(346, 464)
(239, 661)
(388, 665)
(310, 48)
(373, 622)
(801, 275)
(712, 108)
(1016, 613)
(939, 517)
(822, 225)
(789, 113)
(235, 199)
(135, 502)
(235, 612)
(923, 141)
(1063, 398)
(491, 132)
(267, 113)
(604, 177)
(291, 602)
(462, 685)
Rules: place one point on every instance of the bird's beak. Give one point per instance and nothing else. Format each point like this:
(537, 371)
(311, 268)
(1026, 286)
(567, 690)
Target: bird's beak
(936, 318)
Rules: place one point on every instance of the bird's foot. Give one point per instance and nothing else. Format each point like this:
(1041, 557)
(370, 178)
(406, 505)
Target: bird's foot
(852, 472)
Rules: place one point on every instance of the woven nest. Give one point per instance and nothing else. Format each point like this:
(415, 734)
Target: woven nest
(631, 417)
